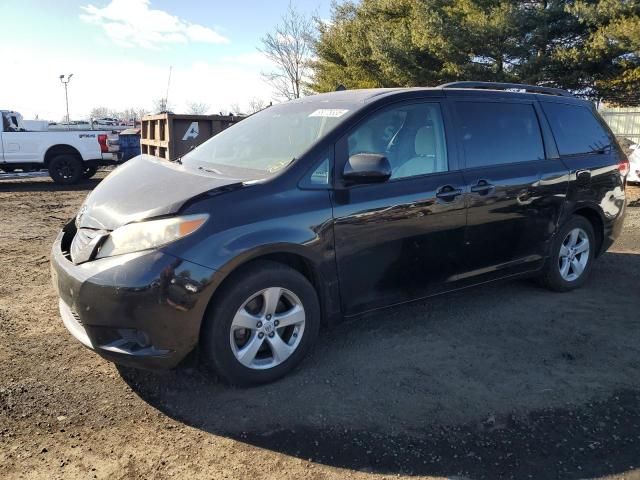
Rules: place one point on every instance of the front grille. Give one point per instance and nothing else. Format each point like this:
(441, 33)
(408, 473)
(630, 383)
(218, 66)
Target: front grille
(82, 238)
(75, 315)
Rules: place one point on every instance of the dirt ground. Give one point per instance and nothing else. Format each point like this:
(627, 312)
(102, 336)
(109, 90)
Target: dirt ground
(502, 381)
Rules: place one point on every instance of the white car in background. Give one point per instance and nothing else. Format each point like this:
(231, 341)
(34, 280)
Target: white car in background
(106, 121)
(634, 165)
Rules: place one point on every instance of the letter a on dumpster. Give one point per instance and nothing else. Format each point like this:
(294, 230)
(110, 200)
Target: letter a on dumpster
(192, 131)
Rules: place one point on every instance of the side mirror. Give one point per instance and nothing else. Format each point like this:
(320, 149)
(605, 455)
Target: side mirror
(367, 168)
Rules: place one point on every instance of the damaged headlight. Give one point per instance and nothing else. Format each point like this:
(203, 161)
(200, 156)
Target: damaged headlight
(135, 237)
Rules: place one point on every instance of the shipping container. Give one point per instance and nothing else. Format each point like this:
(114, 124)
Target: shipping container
(169, 135)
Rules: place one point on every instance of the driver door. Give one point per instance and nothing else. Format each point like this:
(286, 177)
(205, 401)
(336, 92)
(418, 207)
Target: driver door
(402, 239)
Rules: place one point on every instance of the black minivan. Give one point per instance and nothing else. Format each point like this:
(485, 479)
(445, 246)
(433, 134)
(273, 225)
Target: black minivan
(334, 205)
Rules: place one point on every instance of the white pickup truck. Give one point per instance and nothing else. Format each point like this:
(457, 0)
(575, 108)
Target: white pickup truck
(69, 156)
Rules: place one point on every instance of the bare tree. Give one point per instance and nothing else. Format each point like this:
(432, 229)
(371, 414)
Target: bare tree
(100, 112)
(161, 105)
(234, 109)
(141, 112)
(289, 47)
(130, 114)
(197, 108)
(256, 104)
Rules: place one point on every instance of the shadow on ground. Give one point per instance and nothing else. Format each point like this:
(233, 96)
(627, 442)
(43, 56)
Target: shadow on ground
(506, 380)
(39, 184)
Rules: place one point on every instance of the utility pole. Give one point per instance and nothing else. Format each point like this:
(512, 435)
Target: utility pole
(65, 82)
(166, 97)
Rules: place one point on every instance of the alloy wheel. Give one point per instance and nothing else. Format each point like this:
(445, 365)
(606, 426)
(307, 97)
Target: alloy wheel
(574, 254)
(267, 328)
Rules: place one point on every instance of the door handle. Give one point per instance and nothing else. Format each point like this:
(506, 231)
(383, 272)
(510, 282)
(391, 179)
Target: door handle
(448, 193)
(483, 187)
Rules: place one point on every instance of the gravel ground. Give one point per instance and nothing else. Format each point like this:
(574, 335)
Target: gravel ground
(502, 381)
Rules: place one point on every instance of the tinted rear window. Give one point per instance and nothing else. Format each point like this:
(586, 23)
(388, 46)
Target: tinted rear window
(575, 129)
(499, 133)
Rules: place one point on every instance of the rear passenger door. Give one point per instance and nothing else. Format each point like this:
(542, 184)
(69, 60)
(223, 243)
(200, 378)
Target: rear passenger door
(514, 190)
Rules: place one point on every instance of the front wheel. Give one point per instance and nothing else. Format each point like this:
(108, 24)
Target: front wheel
(263, 322)
(571, 257)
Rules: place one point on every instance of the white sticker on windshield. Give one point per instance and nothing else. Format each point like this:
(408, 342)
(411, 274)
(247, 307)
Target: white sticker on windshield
(328, 112)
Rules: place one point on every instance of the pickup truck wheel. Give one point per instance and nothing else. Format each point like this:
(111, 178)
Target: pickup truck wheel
(89, 172)
(66, 169)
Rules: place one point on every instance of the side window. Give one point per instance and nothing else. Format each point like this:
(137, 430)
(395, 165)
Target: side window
(411, 136)
(575, 128)
(499, 133)
(319, 177)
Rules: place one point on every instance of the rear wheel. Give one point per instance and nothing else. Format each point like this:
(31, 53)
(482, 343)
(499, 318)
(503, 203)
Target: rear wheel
(89, 172)
(66, 169)
(264, 321)
(572, 255)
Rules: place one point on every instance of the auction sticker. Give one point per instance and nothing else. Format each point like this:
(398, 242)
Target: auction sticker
(328, 112)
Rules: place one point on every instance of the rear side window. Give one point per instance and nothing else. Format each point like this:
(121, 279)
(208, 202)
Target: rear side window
(499, 133)
(575, 129)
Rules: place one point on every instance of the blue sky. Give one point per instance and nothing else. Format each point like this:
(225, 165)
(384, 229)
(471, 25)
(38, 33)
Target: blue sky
(120, 52)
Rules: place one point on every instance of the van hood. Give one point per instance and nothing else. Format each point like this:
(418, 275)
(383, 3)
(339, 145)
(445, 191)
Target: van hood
(145, 187)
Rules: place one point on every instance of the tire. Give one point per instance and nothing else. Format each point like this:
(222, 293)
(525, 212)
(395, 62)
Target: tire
(560, 272)
(66, 169)
(89, 172)
(243, 300)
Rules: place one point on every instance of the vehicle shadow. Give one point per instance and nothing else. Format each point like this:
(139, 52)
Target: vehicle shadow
(44, 184)
(503, 381)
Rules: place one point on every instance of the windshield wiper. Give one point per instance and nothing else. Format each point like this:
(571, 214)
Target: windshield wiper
(211, 170)
(178, 159)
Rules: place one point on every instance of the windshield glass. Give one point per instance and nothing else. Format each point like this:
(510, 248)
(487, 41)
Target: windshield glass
(264, 143)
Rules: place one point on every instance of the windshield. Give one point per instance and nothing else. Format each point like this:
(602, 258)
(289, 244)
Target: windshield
(264, 143)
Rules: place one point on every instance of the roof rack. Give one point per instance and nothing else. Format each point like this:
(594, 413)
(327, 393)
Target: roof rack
(508, 86)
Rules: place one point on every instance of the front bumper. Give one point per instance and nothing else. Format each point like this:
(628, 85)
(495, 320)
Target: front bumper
(142, 309)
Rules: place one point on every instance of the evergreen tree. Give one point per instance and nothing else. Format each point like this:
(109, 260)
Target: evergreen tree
(589, 46)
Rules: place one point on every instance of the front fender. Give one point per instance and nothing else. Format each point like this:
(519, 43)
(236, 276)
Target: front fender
(263, 220)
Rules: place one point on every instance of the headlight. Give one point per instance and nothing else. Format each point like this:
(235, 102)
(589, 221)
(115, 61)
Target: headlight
(150, 234)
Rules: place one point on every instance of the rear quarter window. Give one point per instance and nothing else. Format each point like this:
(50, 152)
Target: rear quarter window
(575, 129)
(496, 133)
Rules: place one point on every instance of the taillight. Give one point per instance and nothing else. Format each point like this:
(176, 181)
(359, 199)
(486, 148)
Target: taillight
(102, 140)
(623, 166)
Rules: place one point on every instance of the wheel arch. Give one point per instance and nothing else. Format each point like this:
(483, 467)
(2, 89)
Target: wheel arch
(595, 217)
(293, 256)
(60, 149)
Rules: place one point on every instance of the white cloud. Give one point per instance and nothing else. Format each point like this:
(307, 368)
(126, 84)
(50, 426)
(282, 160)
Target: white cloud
(36, 89)
(132, 23)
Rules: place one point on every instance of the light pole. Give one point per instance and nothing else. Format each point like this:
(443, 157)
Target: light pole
(65, 82)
